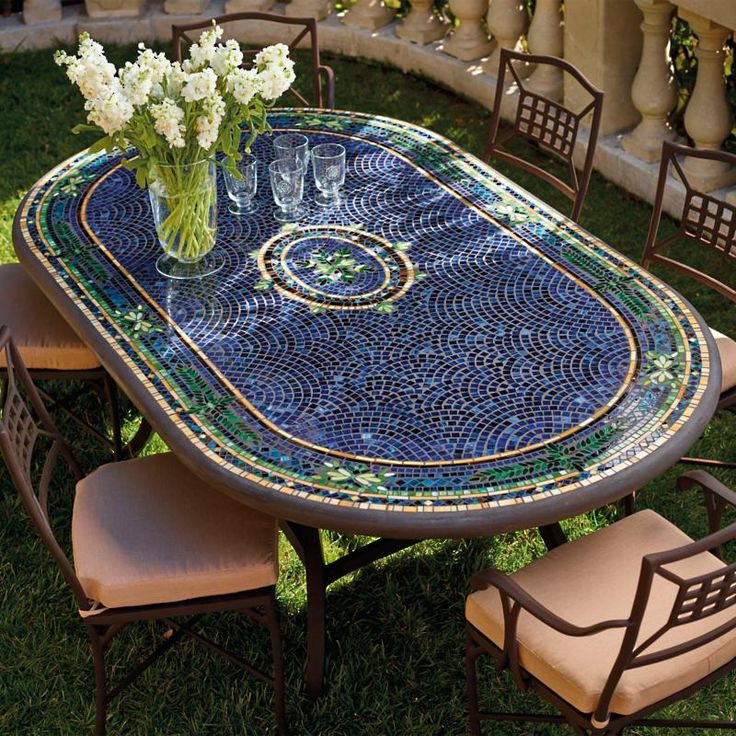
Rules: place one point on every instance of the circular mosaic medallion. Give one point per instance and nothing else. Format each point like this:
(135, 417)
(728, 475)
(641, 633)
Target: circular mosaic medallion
(335, 267)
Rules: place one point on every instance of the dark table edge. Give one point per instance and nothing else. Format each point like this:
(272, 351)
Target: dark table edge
(385, 523)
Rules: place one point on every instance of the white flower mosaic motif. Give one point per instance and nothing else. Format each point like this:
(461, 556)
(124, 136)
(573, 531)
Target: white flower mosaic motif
(661, 370)
(510, 213)
(136, 320)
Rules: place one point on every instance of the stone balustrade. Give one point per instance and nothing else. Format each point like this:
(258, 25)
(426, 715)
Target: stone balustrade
(620, 45)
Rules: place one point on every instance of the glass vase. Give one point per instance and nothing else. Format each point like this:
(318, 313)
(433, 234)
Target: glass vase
(184, 206)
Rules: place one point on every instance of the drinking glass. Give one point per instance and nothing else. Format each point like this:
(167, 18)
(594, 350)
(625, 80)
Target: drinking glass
(241, 191)
(328, 160)
(292, 146)
(287, 184)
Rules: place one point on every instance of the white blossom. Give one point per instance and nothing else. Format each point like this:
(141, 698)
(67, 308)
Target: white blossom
(275, 70)
(275, 80)
(89, 70)
(278, 53)
(111, 111)
(157, 65)
(244, 85)
(226, 58)
(168, 118)
(137, 83)
(208, 125)
(199, 85)
(175, 79)
(200, 54)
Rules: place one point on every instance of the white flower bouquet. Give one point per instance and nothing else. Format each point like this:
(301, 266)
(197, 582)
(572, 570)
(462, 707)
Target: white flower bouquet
(178, 116)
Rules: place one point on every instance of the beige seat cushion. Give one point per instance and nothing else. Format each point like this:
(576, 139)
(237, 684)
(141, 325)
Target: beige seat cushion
(727, 353)
(594, 579)
(45, 340)
(149, 531)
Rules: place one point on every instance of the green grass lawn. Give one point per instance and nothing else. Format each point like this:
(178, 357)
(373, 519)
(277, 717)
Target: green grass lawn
(395, 663)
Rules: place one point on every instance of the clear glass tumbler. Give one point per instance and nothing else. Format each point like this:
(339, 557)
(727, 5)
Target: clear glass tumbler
(294, 146)
(328, 161)
(241, 190)
(287, 184)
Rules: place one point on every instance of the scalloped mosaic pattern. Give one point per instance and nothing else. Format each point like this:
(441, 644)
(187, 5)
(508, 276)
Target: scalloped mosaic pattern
(476, 348)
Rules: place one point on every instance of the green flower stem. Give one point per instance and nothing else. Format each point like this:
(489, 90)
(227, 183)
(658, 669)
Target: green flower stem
(189, 194)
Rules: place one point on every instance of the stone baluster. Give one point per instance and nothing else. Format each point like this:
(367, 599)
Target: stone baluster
(653, 92)
(506, 20)
(370, 14)
(318, 9)
(545, 37)
(195, 7)
(708, 117)
(41, 11)
(422, 24)
(469, 39)
(113, 8)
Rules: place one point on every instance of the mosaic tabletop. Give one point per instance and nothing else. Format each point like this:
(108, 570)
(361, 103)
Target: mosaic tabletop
(440, 353)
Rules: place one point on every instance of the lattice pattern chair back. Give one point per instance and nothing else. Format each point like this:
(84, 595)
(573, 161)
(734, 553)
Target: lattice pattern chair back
(323, 77)
(697, 598)
(548, 123)
(705, 220)
(23, 422)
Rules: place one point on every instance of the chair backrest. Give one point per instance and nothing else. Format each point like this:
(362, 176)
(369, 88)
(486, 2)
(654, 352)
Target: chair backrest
(323, 78)
(697, 598)
(548, 123)
(23, 421)
(705, 221)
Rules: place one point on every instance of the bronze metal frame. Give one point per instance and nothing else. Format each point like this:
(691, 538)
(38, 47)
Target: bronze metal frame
(308, 26)
(705, 221)
(307, 543)
(20, 428)
(698, 598)
(548, 124)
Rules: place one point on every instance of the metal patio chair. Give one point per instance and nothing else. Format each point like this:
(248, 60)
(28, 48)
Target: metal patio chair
(52, 351)
(150, 542)
(615, 625)
(709, 224)
(548, 124)
(323, 77)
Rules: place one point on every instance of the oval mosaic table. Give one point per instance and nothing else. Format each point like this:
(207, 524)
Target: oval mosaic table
(441, 355)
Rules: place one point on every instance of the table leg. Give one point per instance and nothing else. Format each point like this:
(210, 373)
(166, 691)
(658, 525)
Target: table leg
(308, 545)
(552, 535)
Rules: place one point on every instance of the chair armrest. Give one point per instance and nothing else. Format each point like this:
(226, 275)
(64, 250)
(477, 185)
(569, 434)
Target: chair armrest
(709, 484)
(329, 76)
(717, 496)
(509, 588)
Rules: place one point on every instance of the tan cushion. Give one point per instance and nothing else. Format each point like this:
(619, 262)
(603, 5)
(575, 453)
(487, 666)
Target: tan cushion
(727, 352)
(594, 579)
(45, 340)
(149, 531)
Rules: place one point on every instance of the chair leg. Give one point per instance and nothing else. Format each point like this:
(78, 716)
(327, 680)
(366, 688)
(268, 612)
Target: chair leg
(140, 438)
(278, 667)
(111, 394)
(98, 657)
(471, 679)
(630, 504)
